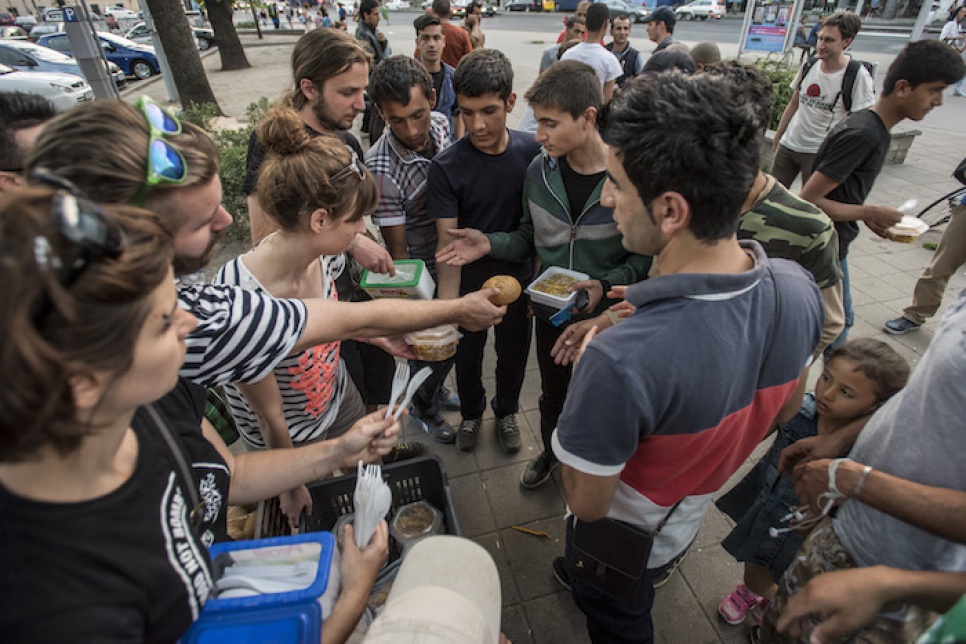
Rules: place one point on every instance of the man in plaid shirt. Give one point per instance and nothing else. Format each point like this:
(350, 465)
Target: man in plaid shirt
(402, 90)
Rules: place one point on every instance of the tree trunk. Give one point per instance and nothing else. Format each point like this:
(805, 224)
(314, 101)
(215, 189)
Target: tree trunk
(229, 46)
(181, 50)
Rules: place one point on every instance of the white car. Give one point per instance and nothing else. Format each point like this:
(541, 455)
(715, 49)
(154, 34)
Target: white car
(702, 9)
(120, 13)
(398, 5)
(63, 90)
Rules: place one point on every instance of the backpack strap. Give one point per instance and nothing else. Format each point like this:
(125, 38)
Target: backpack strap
(805, 69)
(848, 83)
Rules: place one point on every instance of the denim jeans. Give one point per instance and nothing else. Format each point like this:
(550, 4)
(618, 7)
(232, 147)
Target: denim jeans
(847, 306)
(609, 621)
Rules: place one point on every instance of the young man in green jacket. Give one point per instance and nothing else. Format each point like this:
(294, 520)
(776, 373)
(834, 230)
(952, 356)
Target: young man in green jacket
(564, 223)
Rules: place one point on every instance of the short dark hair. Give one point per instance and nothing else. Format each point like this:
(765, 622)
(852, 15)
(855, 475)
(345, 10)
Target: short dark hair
(394, 78)
(476, 4)
(687, 134)
(597, 16)
(878, 362)
(442, 8)
(569, 86)
(367, 5)
(620, 16)
(847, 22)
(426, 20)
(573, 21)
(924, 61)
(752, 86)
(484, 71)
(18, 111)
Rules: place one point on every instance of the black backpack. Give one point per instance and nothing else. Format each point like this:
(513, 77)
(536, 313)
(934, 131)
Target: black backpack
(848, 81)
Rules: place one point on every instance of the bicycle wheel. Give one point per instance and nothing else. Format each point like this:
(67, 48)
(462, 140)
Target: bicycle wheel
(939, 211)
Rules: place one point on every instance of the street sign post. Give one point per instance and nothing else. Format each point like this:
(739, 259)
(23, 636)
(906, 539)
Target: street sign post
(770, 25)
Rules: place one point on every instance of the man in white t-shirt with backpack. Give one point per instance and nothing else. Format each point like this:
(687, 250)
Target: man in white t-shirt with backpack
(827, 89)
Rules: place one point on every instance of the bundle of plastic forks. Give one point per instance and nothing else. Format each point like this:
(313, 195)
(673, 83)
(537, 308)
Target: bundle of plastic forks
(372, 501)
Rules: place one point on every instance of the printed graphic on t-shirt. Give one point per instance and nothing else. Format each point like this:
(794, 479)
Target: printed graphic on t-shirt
(184, 553)
(814, 98)
(315, 377)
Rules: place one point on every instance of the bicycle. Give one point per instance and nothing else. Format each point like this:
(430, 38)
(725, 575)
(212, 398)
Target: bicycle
(938, 212)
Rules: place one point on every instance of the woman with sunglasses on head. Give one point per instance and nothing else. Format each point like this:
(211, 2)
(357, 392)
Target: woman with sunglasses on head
(101, 538)
(316, 192)
(123, 154)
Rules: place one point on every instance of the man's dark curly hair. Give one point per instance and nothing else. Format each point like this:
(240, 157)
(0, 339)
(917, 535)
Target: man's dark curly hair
(690, 135)
(752, 86)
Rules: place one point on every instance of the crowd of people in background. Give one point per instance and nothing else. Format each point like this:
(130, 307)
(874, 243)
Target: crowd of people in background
(711, 290)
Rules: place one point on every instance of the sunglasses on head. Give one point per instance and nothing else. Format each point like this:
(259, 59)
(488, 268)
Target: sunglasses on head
(86, 235)
(165, 163)
(354, 167)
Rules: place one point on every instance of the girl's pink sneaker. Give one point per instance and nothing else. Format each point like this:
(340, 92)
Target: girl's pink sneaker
(736, 606)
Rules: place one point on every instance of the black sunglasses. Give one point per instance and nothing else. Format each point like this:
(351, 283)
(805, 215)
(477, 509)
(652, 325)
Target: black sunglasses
(86, 235)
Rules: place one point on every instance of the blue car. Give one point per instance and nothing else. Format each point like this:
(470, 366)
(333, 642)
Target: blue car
(135, 59)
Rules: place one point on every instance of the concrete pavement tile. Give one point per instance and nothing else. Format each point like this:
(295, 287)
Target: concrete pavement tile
(715, 527)
(878, 289)
(859, 297)
(488, 453)
(515, 625)
(531, 557)
(513, 505)
(555, 619)
(472, 506)
(871, 265)
(455, 462)
(712, 574)
(677, 612)
(917, 341)
(508, 587)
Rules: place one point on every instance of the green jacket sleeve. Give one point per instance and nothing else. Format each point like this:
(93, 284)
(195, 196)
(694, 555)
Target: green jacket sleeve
(633, 270)
(515, 246)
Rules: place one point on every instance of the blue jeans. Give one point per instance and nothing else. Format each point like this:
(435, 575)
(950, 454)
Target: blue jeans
(847, 305)
(609, 621)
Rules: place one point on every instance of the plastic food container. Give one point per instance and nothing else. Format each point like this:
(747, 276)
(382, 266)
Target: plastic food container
(551, 287)
(435, 344)
(415, 521)
(412, 280)
(907, 230)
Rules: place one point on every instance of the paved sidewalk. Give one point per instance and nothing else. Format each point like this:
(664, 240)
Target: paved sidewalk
(485, 484)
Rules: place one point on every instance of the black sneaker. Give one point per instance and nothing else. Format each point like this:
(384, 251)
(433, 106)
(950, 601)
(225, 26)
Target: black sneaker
(466, 436)
(538, 470)
(508, 433)
(561, 572)
(404, 451)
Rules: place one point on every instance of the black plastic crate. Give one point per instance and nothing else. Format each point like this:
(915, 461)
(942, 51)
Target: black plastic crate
(418, 479)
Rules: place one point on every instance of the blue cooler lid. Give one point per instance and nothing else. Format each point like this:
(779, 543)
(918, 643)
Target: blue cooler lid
(297, 624)
(310, 594)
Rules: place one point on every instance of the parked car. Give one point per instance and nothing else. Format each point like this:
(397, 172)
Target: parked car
(524, 5)
(204, 38)
(135, 59)
(63, 90)
(702, 9)
(13, 33)
(618, 7)
(7, 19)
(26, 22)
(397, 5)
(120, 13)
(26, 56)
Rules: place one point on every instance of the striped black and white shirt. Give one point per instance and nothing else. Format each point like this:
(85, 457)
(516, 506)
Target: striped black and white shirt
(241, 334)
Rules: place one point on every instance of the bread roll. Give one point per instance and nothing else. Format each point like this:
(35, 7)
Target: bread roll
(509, 287)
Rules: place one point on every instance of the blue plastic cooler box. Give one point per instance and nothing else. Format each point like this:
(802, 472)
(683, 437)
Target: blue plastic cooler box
(286, 618)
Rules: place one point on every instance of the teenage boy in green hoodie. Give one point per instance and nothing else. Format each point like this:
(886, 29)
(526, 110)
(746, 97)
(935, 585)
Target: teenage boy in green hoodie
(564, 223)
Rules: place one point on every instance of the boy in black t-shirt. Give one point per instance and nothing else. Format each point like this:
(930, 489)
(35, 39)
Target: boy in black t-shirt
(852, 155)
(478, 183)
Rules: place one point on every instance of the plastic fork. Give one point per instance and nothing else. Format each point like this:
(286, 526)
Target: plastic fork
(414, 384)
(399, 380)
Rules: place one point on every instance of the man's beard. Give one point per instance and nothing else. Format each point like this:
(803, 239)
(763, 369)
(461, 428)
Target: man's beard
(325, 119)
(190, 265)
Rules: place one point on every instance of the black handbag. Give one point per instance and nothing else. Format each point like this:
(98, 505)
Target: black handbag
(611, 556)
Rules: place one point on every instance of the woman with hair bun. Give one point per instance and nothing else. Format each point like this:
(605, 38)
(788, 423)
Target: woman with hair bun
(100, 536)
(316, 191)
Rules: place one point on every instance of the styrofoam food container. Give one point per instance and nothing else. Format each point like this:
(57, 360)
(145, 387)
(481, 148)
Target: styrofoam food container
(553, 300)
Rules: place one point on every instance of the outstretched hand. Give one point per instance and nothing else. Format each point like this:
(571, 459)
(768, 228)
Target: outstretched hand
(468, 246)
